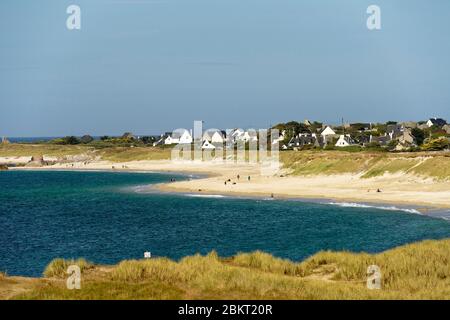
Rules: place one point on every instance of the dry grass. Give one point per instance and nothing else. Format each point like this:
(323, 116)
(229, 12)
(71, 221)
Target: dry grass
(115, 154)
(50, 150)
(367, 164)
(58, 267)
(125, 154)
(416, 271)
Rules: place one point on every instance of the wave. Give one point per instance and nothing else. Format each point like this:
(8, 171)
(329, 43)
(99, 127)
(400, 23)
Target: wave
(145, 188)
(361, 205)
(205, 195)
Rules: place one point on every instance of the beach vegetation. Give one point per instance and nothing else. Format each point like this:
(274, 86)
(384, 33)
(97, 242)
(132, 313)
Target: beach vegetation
(366, 164)
(414, 271)
(57, 268)
(437, 144)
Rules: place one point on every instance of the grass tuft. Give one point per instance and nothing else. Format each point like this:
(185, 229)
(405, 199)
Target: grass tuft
(57, 268)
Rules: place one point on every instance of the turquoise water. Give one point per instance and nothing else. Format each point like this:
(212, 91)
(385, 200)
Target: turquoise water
(101, 216)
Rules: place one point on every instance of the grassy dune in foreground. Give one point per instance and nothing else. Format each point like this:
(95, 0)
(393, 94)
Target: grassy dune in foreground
(415, 271)
(434, 165)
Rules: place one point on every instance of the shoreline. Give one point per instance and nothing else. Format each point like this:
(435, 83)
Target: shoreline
(208, 179)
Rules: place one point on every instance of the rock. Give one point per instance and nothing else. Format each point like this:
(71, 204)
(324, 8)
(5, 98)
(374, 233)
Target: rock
(36, 161)
(3, 167)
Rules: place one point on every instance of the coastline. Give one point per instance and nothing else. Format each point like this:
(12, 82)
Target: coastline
(401, 191)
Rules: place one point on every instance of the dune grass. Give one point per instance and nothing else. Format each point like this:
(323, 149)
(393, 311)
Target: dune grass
(51, 150)
(58, 267)
(415, 271)
(125, 154)
(367, 164)
(114, 154)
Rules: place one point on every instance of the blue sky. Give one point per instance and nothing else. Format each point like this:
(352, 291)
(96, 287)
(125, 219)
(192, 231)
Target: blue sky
(152, 66)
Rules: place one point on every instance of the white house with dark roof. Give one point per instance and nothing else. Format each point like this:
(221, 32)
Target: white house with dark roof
(345, 141)
(438, 122)
(181, 136)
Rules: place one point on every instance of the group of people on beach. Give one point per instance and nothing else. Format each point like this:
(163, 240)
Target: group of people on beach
(238, 178)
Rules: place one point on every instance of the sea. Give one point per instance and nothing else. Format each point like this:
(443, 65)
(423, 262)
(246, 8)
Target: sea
(107, 217)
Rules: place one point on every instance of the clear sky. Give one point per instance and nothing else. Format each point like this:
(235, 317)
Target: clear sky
(148, 66)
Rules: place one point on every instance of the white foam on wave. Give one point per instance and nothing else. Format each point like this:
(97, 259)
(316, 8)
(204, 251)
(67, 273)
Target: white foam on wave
(366, 206)
(206, 196)
(139, 188)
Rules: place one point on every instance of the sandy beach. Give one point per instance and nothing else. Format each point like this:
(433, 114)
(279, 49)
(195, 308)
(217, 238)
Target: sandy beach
(401, 189)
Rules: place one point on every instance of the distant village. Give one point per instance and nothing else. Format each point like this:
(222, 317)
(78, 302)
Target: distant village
(394, 136)
(429, 135)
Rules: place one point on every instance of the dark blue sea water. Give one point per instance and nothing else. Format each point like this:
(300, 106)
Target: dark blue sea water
(100, 216)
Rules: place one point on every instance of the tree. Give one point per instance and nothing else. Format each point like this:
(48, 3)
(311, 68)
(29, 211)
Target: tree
(70, 140)
(86, 139)
(147, 139)
(128, 136)
(419, 135)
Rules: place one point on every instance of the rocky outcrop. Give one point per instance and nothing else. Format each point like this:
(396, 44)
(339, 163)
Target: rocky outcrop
(3, 167)
(36, 161)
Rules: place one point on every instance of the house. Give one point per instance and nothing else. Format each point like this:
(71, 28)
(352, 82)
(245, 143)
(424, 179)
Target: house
(218, 137)
(405, 141)
(394, 130)
(214, 136)
(236, 135)
(438, 122)
(186, 137)
(407, 138)
(320, 141)
(250, 136)
(171, 140)
(345, 141)
(446, 128)
(181, 136)
(328, 132)
(409, 124)
(363, 140)
(208, 146)
(381, 140)
(280, 137)
(294, 142)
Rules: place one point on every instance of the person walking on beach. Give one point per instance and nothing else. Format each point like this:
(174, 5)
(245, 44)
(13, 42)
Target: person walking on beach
(238, 176)
(248, 178)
